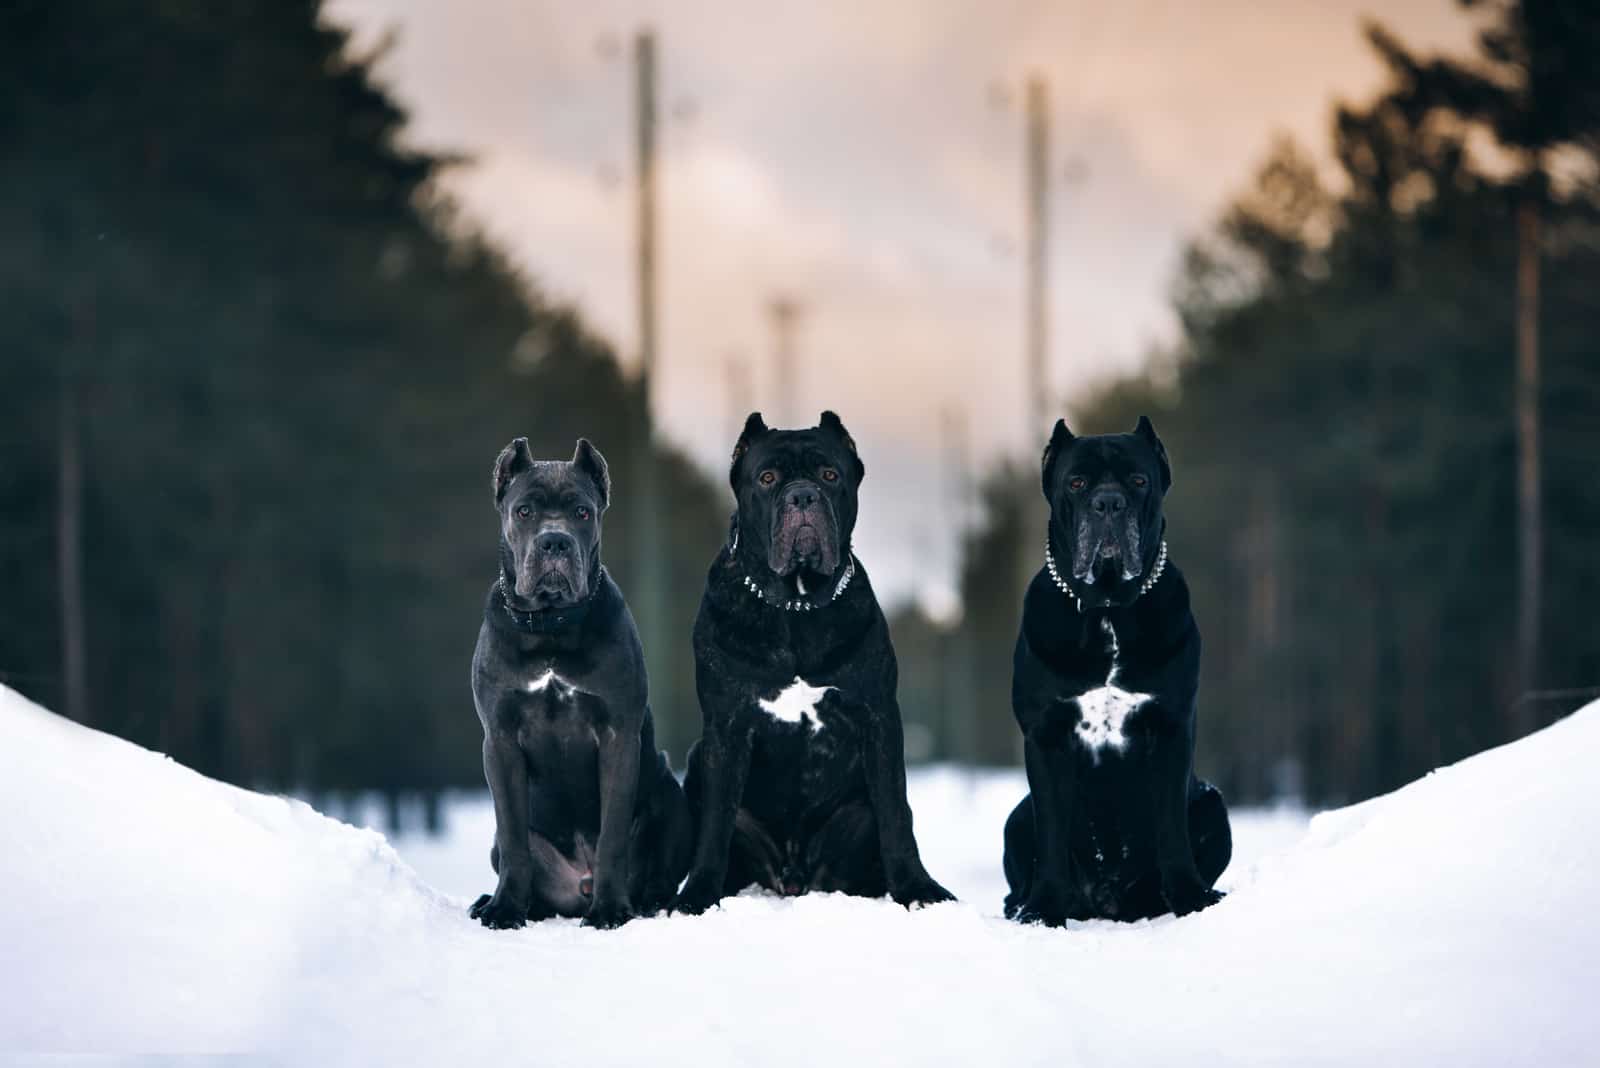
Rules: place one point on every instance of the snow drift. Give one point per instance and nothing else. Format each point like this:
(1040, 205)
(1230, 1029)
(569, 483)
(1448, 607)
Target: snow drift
(150, 910)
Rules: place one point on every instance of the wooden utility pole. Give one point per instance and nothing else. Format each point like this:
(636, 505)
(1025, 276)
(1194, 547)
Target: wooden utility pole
(959, 699)
(1530, 518)
(644, 54)
(1036, 383)
(785, 313)
(648, 533)
(1037, 406)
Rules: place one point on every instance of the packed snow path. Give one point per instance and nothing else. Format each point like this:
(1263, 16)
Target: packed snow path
(150, 910)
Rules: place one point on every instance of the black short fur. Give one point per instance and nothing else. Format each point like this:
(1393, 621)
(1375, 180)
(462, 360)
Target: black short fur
(1116, 824)
(589, 820)
(813, 798)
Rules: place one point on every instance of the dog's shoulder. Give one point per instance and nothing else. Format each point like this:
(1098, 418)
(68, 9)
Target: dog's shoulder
(1052, 628)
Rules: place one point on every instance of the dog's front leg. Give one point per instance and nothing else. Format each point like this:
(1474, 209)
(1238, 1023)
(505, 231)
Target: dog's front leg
(506, 768)
(1171, 769)
(619, 786)
(1053, 894)
(909, 882)
(724, 757)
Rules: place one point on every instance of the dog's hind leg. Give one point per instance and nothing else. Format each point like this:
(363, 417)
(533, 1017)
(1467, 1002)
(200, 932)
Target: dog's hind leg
(661, 845)
(1209, 833)
(561, 887)
(1018, 857)
(753, 857)
(1212, 842)
(677, 839)
(843, 855)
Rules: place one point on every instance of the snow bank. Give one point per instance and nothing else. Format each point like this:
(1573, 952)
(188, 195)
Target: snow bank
(150, 910)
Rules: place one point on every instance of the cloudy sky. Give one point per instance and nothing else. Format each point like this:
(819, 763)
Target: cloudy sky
(866, 159)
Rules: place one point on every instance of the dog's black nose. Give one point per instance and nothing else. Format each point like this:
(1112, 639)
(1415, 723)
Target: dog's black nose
(1108, 502)
(802, 496)
(554, 544)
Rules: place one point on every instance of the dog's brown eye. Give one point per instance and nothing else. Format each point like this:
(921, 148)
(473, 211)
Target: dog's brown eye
(583, 514)
(829, 475)
(523, 511)
(1076, 484)
(768, 477)
(1139, 480)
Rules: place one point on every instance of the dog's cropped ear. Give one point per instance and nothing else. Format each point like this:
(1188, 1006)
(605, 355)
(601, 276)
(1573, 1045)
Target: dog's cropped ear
(1060, 440)
(754, 428)
(1147, 431)
(512, 461)
(833, 424)
(587, 458)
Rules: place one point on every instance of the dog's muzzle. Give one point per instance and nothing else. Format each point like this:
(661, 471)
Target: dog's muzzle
(804, 532)
(1107, 543)
(552, 570)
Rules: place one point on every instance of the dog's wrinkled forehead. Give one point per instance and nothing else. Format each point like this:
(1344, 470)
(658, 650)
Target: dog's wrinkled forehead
(555, 480)
(794, 454)
(1097, 458)
(1115, 457)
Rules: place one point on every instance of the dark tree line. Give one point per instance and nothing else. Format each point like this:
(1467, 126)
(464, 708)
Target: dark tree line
(253, 373)
(254, 367)
(1340, 413)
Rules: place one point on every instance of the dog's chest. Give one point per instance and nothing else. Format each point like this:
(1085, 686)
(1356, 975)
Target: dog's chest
(810, 725)
(1105, 712)
(807, 748)
(796, 704)
(550, 699)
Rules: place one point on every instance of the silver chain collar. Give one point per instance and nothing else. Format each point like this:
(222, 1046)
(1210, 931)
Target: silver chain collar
(797, 605)
(1144, 588)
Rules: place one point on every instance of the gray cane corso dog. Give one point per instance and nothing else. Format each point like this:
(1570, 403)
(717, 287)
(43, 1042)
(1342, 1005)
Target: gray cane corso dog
(799, 781)
(589, 820)
(1104, 679)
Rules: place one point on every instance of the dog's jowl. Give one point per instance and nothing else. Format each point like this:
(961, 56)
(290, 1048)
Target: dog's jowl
(1104, 681)
(589, 820)
(799, 780)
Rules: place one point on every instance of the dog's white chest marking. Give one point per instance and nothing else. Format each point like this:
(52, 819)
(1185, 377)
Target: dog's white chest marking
(796, 703)
(1103, 711)
(1101, 714)
(557, 685)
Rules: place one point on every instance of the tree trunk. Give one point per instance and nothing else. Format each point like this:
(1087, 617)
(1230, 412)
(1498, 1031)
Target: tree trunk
(1530, 520)
(69, 551)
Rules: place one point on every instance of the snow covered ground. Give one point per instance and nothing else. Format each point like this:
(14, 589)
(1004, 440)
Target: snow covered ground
(149, 910)
(959, 816)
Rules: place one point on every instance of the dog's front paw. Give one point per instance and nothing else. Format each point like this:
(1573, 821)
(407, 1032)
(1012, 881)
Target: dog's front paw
(1050, 907)
(920, 891)
(1036, 912)
(499, 912)
(608, 913)
(697, 895)
(1187, 897)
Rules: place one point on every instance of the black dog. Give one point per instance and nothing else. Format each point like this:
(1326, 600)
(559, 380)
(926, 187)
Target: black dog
(589, 820)
(1103, 686)
(799, 782)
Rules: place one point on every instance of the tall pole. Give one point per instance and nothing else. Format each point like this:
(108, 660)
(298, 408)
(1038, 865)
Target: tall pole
(644, 54)
(959, 722)
(785, 313)
(648, 531)
(1036, 384)
(1530, 520)
(1034, 516)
